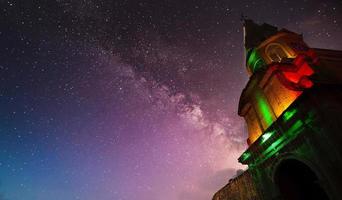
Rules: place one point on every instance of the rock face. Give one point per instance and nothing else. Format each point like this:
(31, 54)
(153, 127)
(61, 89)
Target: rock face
(292, 105)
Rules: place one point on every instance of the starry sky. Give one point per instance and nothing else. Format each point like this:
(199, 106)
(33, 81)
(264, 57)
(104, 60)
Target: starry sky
(128, 99)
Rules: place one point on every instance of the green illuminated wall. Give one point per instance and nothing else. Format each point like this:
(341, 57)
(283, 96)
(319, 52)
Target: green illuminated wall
(264, 109)
(254, 60)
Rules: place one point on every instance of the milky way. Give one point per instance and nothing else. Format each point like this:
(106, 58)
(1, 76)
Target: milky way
(131, 99)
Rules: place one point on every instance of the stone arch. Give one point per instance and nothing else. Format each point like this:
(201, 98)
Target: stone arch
(284, 156)
(275, 52)
(298, 180)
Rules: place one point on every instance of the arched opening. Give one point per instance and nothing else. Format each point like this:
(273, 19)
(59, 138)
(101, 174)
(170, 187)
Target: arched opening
(296, 181)
(275, 52)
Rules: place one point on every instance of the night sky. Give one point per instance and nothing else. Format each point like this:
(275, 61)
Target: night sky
(131, 100)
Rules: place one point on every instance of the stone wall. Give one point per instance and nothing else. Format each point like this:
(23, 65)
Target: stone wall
(239, 188)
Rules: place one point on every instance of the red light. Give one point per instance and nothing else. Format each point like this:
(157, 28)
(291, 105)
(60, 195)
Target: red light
(305, 82)
(292, 76)
(305, 69)
(300, 59)
(295, 76)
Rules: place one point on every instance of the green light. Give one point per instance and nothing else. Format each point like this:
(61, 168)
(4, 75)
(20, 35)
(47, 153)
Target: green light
(245, 156)
(276, 143)
(289, 114)
(266, 136)
(294, 128)
(253, 57)
(265, 110)
(281, 141)
(254, 61)
(273, 148)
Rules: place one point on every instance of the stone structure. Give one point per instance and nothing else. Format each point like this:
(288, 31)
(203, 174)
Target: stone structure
(292, 105)
(241, 187)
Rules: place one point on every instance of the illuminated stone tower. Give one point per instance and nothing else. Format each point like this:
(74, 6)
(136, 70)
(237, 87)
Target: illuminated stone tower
(292, 106)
